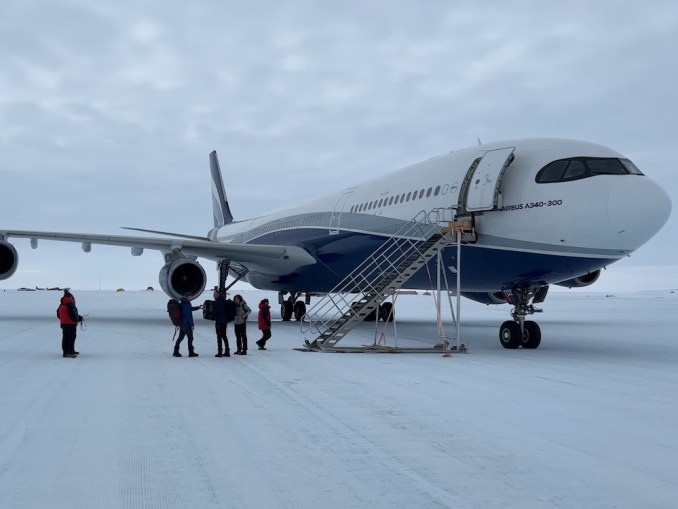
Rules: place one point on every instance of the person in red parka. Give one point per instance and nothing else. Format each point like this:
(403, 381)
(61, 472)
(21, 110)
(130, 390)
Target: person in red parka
(69, 320)
(264, 322)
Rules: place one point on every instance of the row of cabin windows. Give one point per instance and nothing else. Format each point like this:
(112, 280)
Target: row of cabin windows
(399, 198)
(287, 223)
(576, 168)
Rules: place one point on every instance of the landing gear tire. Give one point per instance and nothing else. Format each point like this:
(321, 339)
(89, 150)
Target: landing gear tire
(386, 312)
(509, 335)
(286, 311)
(299, 310)
(531, 335)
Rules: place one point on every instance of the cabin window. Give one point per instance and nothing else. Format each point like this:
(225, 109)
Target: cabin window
(421, 193)
(437, 191)
(428, 192)
(390, 200)
(408, 196)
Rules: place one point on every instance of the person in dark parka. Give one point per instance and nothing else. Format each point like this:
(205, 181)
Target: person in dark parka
(187, 325)
(222, 315)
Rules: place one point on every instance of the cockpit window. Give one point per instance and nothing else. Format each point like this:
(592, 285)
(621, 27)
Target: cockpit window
(565, 170)
(553, 171)
(575, 170)
(606, 167)
(632, 168)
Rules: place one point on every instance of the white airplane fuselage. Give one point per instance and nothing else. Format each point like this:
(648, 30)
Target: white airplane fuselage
(540, 232)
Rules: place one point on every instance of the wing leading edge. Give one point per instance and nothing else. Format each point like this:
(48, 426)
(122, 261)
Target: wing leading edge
(266, 258)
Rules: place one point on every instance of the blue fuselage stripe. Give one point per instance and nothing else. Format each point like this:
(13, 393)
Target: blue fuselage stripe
(482, 269)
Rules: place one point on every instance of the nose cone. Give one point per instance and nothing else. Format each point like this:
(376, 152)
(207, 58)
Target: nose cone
(637, 210)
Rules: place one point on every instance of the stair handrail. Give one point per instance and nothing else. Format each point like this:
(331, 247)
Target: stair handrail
(405, 242)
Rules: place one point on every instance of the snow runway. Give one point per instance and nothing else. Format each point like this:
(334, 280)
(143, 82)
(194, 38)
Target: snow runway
(587, 420)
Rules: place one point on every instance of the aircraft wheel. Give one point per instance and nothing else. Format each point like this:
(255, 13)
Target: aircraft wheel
(509, 335)
(299, 310)
(386, 312)
(531, 335)
(371, 316)
(286, 311)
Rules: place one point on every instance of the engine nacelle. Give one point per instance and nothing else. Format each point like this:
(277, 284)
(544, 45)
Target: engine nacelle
(581, 281)
(486, 297)
(183, 276)
(9, 260)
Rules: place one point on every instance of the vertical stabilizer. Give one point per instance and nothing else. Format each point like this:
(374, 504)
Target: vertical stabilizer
(220, 208)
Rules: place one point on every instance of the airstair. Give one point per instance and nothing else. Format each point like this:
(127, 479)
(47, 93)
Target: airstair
(379, 276)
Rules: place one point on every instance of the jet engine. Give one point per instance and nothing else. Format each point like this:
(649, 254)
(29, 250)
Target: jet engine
(9, 259)
(578, 282)
(486, 297)
(182, 276)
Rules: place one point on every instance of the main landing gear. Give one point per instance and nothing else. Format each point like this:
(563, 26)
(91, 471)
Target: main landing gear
(521, 332)
(291, 306)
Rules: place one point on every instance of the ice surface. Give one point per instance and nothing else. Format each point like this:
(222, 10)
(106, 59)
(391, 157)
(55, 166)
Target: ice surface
(587, 420)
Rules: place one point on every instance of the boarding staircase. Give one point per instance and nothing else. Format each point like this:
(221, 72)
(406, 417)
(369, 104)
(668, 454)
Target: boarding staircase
(379, 276)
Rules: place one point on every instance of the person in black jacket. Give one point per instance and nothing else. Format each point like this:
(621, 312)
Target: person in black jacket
(223, 311)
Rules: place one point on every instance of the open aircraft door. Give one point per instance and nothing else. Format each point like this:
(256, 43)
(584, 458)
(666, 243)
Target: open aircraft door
(481, 185)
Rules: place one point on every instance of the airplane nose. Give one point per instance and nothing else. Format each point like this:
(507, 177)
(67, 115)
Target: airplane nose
(637, 209)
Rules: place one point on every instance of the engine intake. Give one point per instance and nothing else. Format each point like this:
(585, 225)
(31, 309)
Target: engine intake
(9, 260)
(181, 277)
(581, 281)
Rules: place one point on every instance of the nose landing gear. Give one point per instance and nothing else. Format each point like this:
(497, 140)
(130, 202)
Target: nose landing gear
(521, 332)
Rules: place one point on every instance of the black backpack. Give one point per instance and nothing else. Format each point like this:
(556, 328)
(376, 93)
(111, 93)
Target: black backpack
(231, 310)
(174, 311)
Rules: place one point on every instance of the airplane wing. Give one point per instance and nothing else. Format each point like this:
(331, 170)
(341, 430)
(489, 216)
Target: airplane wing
(253, 256)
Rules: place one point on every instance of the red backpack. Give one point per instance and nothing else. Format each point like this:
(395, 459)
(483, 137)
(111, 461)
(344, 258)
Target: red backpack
(174, 312)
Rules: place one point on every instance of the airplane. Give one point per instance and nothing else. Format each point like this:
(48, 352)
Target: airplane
(542, 212)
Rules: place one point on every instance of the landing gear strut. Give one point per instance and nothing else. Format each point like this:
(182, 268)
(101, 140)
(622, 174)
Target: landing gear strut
(521, 332)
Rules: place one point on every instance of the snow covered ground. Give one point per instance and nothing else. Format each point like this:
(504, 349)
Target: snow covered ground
(589, 419)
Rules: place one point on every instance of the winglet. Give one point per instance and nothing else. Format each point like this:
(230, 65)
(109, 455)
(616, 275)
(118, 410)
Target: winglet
(220, 208)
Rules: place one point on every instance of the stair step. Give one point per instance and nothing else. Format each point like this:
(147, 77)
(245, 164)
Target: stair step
(383, 272)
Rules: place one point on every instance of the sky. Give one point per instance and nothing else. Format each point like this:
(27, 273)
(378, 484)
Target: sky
(586, 420)
(108, 110)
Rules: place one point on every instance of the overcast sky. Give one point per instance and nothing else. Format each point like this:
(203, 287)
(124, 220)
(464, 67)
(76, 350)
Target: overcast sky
(108, 110)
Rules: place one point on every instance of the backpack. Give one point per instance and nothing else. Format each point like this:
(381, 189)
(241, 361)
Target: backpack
(174, 312)
(207, 310)
(231, 310)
